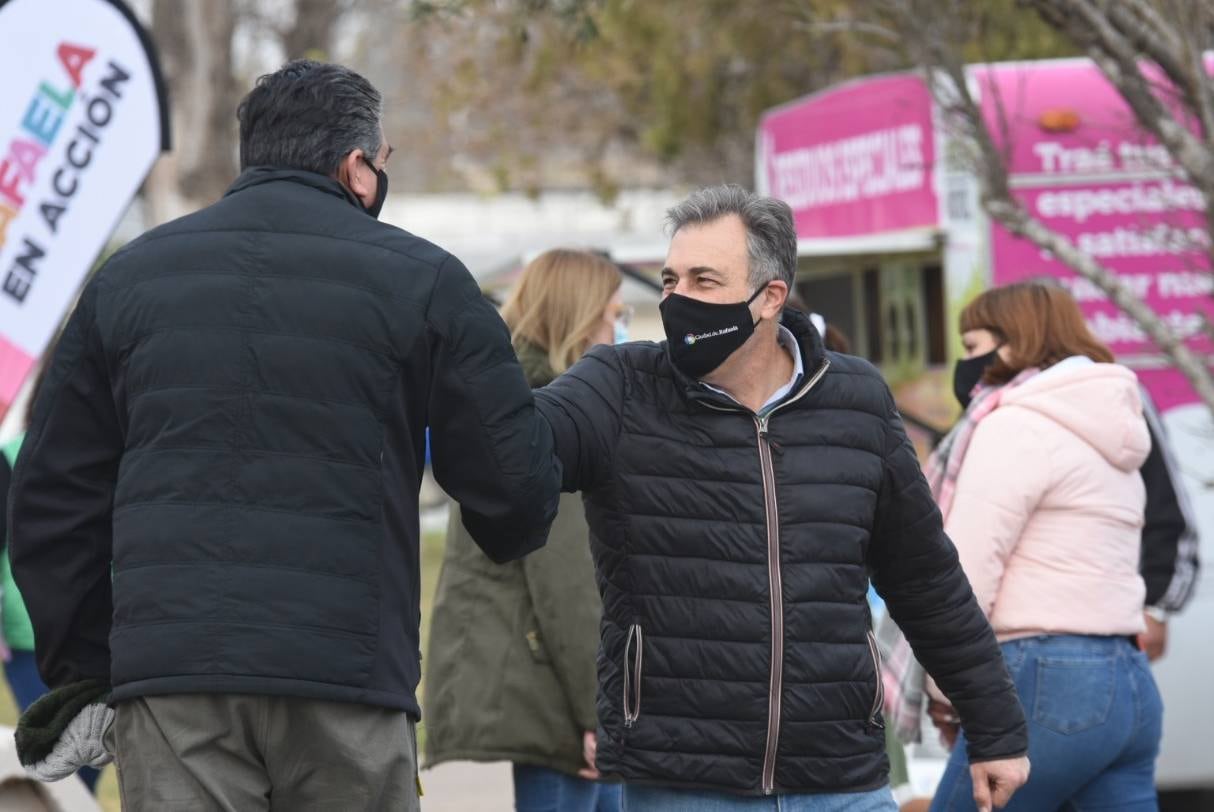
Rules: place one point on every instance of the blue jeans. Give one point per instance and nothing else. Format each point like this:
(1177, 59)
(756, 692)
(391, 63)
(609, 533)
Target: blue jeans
(663, 799)
(27, 687)
(537, 789)
(1095, 720)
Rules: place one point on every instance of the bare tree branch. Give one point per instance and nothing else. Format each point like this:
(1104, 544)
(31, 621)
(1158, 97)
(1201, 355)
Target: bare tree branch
(1118, 58)
(1014, 217)
(1178, 51)
(1207, 329)
(934, 46)
(1116, 35)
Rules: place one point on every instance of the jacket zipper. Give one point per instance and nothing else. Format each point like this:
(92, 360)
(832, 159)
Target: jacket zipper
(874, 715)
(775, 584)
(775, 580)
(632, 674)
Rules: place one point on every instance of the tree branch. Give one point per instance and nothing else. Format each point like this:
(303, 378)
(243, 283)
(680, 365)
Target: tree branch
(1178, 52)
(949, 86)
(1118, 58)
(1015, 218)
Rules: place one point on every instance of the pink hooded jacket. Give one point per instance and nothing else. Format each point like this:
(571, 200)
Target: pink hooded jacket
(1048, 510)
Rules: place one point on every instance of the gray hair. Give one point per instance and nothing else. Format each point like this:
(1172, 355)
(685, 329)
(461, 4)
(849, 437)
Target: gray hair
(771, 237)
(309, 115)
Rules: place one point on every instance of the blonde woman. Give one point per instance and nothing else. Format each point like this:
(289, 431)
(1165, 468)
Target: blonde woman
(510, 672)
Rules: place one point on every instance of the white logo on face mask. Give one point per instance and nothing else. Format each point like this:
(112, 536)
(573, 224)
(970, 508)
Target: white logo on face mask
(692, 338)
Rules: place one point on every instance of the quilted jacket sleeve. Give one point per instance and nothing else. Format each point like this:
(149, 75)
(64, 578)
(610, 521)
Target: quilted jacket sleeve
(583, 407)
(1170, 560)
(917, 571)
(491, 451)
(61, 506)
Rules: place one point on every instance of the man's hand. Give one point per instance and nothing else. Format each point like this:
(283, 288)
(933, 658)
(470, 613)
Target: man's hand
(1154, 641)
(995, 781)
(590, 746)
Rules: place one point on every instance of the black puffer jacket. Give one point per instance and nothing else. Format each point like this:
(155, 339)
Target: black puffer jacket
(734, 555)
(235, 417)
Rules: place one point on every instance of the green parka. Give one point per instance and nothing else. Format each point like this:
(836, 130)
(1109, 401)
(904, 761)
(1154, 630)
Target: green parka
(510, 671)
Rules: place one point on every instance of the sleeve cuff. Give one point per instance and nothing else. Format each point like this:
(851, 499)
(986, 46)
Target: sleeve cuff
(1158, 613)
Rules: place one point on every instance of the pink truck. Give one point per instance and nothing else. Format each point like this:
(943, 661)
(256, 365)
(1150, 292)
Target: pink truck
(893, 242)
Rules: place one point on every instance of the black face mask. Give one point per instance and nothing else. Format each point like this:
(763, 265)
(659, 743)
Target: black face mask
(381, 190)
(968, 374)
(701, 336)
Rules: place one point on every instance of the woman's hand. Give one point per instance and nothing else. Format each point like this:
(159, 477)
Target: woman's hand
(590, 746)
(1154, 641)
(944, 717)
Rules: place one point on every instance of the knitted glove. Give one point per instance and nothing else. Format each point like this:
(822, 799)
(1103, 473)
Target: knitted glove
(62, 731)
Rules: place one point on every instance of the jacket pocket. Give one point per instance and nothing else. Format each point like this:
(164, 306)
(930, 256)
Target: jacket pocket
(874, 713)
(1074, 693)
(634, 656)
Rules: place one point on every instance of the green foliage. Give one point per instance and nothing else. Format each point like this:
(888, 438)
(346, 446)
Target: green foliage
(682, 83)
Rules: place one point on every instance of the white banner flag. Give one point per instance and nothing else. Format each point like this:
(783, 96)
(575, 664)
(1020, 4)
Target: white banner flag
(83, 116)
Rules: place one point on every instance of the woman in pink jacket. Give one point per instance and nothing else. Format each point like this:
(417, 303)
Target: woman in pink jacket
(1041, 494)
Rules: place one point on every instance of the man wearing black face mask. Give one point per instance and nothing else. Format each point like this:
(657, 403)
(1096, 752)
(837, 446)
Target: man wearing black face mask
(742, 485)
(214, 518)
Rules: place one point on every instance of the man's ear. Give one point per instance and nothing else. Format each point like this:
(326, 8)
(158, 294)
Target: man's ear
(774, 299)
(350, 174)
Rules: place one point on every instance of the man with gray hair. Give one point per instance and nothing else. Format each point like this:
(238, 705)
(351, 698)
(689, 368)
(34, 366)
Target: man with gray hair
(214, 517)
(742, 485)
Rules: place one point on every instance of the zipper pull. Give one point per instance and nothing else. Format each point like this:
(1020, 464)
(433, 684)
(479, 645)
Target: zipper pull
(765, 436)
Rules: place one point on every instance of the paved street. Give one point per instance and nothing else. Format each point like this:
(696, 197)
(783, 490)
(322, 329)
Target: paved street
(468, 787)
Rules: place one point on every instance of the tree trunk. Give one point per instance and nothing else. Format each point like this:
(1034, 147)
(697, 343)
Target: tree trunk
(195, 42)
(312, 33)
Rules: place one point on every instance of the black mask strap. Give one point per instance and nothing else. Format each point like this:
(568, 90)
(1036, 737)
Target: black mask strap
(381, 189)
(750, 301)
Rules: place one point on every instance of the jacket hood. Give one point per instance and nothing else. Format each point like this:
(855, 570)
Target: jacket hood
(1099, 403)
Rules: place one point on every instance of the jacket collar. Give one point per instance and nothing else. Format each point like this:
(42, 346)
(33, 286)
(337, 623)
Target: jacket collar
(813, 356)
(257, 175)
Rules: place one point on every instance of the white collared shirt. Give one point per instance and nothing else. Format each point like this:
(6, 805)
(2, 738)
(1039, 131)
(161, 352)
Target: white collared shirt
(789, 342)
